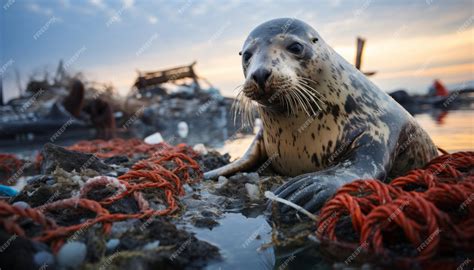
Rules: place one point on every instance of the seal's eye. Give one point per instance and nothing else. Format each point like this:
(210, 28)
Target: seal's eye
(295, 48)
(246, 56)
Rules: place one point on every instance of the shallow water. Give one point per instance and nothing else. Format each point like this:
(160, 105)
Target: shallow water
(452, 131)
(238, 238)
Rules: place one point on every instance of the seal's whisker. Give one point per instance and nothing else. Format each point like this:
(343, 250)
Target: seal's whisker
(310, 90)
(308, 99)
(310, 95)
(243, 106)
(308, 82)
(291, 102)
(237, 105)
(295, 103)
(282, 99)
(313, 90)
(302, 101)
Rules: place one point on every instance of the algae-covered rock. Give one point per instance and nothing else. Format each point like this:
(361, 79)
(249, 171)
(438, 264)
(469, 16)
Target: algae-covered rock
(57, 156)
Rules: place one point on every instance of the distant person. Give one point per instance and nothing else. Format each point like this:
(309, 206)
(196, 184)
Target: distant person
(438, 89)
(74, 102)
(102, 116)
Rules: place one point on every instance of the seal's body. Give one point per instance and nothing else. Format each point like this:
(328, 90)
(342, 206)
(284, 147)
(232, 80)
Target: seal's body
(324, 122)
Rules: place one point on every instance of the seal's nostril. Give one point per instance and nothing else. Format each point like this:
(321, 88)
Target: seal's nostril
(260, 76)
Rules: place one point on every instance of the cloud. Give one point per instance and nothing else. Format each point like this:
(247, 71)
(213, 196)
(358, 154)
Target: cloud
(40, 9)
(128, 3)
(98, 3)
(65, 3)
(152, 19)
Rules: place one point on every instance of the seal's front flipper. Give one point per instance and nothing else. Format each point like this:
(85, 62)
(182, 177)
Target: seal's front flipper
(254, 154)
(312, 190)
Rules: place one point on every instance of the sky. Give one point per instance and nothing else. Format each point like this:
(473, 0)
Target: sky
(409, 42)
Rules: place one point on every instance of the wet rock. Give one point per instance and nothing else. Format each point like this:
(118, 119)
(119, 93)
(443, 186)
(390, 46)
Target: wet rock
(221, 182)
(187, 188)
(44, 258)
(56, 156)
(39, 179)
(72, 254)
(22, 204)
(212, 160)
(252, 191)
(245, 178)
(18, 247)
(213, 212)
(204, 222)
(116, 160)
(40, 194)
(172, 248)
(112, 244)
(151, 245)
(121, 227)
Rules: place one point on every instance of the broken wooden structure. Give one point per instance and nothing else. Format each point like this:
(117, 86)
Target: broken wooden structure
(359, 52)
(154, 79)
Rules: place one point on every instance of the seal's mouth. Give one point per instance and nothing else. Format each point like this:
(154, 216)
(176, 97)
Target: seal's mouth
(283, 93)
(260, 95)
(279, 95)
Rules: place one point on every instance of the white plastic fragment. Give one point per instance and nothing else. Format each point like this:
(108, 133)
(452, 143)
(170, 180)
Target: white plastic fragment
(273, 197)
(183, 129)
(200, 149)
(154, 138)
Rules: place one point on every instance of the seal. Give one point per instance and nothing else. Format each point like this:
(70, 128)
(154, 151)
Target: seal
(324, 122)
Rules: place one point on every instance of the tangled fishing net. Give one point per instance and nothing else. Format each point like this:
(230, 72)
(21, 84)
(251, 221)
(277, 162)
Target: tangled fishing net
(115, 147)
(420, 216)
(159, 178)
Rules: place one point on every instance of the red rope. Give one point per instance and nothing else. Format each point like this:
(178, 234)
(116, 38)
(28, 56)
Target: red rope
(432, 207)
(9, 164)
(168, 169)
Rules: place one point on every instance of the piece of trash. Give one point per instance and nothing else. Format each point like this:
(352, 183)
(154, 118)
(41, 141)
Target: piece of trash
(200, 149)
(7, 191)
(183, 129)
(273, 197)
(154, 138)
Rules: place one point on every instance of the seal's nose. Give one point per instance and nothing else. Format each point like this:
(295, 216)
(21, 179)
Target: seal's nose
(260, 76)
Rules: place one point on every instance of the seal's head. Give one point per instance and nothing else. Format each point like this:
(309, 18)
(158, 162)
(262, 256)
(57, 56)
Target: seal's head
(280, 60)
